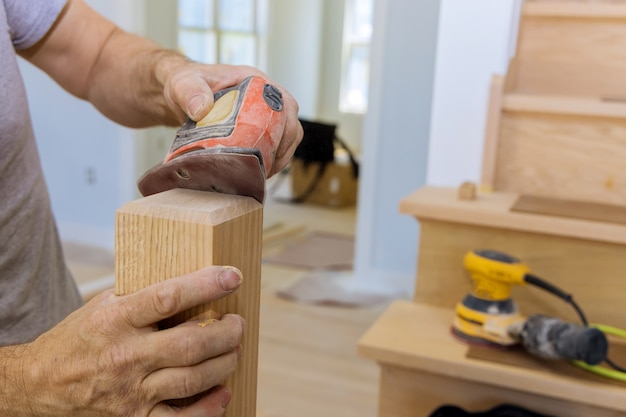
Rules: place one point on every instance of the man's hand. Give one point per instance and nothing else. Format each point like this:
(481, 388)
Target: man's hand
(135, 82)
(109, 359)
(189, 92)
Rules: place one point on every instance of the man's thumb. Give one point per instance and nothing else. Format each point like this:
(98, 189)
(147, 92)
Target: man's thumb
(198, 106)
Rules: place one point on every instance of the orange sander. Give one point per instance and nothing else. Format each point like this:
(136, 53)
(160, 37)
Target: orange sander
(231, 150)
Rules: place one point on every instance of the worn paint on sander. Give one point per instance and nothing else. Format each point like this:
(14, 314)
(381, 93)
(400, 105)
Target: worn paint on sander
(231, 150)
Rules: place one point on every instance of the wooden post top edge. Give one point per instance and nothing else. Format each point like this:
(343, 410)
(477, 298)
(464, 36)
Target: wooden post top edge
(185, 203)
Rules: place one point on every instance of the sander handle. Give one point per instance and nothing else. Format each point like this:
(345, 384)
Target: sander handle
(552, 338)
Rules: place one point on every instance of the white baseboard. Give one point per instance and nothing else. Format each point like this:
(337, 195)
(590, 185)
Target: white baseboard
(87, 235)
(392, 283)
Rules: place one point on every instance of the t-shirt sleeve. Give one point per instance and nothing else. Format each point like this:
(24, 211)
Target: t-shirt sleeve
(30, 20)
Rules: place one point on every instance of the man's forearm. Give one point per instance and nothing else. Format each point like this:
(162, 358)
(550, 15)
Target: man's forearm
(122, 74)
(135, 82)
(127, 81)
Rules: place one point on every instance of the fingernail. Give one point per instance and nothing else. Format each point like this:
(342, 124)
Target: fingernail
(228, 395)
(195, 104)
(230, 278)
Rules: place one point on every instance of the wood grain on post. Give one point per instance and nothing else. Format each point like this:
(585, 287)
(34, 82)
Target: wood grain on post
(180, 231)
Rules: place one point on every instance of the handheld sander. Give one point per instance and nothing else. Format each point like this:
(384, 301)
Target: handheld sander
(489, 316)
(231, 150)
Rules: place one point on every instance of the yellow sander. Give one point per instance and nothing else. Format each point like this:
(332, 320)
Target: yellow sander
(485, 314)
(489, 316)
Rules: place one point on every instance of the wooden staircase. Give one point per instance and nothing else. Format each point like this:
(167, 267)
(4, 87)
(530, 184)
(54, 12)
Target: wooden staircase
(556, 130)
(557, 120)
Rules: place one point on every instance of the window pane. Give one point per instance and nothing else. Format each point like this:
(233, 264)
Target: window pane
(236, 15)
(195, 13)
(355, 88)
(361, 21)
(358, 22)
(237, 49)
(198, 45)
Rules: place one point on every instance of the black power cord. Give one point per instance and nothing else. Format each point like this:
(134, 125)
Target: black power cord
(538, 282)
(311, 186)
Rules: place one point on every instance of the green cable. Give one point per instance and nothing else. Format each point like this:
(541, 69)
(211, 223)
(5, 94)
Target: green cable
(610, 330)
(609, 373)
(596, 369)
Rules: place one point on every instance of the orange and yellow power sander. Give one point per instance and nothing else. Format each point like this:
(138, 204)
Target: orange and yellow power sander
(231, 150)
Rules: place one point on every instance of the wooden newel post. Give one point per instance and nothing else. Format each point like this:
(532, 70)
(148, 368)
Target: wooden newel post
(179, 231)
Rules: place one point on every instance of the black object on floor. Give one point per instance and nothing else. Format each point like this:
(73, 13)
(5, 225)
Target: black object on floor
(318, 146)
(504, 410)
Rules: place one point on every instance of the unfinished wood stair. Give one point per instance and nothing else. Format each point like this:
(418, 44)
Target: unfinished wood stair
(570, 48)
(556, 128)
(422, 368)
(556, 122)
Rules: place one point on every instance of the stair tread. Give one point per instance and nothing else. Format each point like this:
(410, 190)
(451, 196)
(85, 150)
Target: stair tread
(417, 336)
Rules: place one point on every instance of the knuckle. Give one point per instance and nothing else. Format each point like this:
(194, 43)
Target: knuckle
(166, 301)
(178, 86)
(177, 78)
(190, 385)
(187, 84)
(189, 351)
(235, 332)
(119, 360)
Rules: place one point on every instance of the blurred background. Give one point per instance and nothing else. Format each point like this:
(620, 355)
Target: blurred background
(405, 82)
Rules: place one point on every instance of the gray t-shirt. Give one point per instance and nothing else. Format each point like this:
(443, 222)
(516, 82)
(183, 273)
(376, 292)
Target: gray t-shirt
(36, 288)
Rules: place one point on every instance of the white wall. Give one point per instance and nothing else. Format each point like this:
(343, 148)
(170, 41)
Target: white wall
(304, 41)
(426, 120)
(476, 40)
(293, 49)
(349, 125)
(395, 140)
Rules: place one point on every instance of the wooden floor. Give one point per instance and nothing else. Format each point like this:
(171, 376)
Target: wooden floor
(307, 358)
(308, 365)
